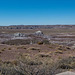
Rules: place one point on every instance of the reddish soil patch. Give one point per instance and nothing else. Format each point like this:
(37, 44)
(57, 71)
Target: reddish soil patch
(11, 52)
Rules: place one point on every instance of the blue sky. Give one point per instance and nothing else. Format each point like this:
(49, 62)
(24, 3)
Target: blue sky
(37, 12)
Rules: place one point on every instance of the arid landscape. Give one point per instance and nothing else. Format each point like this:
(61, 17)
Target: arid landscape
(37, 51)
(37, 37)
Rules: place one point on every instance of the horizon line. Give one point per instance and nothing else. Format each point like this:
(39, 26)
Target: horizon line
(37, 25)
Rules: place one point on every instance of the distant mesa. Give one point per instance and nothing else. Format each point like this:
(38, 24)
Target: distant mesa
(37, 27)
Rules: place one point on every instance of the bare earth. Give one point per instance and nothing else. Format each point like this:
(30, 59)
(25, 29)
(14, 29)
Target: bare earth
(11, 52)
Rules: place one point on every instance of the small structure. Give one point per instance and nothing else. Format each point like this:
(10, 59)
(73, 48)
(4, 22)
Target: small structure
(39, 33)
(66, 73)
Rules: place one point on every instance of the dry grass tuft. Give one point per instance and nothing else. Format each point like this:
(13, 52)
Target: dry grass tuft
(14, 62)
(21, 47)
(3, 50)
(33, 48)
(67, 63)
(67, 47)
(44, 55)
(0, 52)
(9, 48)
(40, 43)
(25, 54)
(59, 52)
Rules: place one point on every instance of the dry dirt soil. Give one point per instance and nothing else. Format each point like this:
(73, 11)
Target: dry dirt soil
(8, 52)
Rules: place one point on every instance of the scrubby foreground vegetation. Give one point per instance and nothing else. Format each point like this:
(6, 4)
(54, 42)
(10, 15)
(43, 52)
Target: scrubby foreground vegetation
(25, 65)
(37, 59)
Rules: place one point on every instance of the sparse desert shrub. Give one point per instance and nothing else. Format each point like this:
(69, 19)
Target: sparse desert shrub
(35, 40)
(70, 55)
(59, 52)
(0, 52)
(21, 47)
(0, 60)
(8, 69)
(67, 63)
(45, 41)
(53, 45)
(9, 48)
(3, 50)
(33, 48)
(7, 62)
(49, 53)
(43, 55)
(50, 47)
(34, 62)
(63, 48)
(14, 62)
(40, 43)
(25, 54)
(59, 48)
(28, 60)
(60, 45)
(68, 47)
(59, 57)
